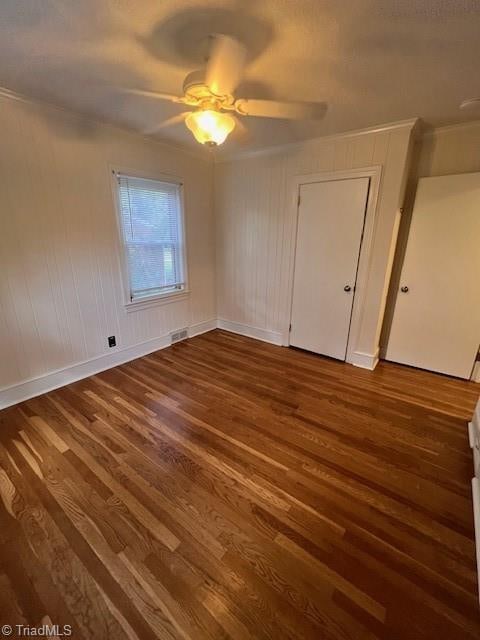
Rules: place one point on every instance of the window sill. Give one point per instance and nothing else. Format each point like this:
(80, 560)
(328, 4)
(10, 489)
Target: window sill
(156, 301)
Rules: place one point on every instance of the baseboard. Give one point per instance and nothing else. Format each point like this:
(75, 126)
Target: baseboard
(59, 378)
(202, 327)
(364, 360)
(274, 337)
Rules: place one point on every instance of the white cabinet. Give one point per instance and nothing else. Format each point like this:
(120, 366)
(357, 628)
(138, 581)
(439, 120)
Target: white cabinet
(474, 437)
(476, 515)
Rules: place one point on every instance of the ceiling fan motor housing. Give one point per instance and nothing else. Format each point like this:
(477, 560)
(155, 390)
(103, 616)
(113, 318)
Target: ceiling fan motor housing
(196, 89)
(194, 85)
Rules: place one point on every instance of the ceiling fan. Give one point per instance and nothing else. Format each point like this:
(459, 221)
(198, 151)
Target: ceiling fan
(210, 92)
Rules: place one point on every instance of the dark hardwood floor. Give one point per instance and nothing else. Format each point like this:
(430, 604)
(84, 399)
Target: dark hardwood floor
(227, 488)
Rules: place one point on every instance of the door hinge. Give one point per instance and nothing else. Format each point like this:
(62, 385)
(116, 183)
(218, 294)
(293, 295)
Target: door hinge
(289, 328)
(298, 200)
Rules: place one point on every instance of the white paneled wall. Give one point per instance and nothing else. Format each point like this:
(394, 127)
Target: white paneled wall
(256, 227)
(60, 288)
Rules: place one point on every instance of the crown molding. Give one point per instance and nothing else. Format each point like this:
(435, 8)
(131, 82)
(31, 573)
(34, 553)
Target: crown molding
(412, 124)
(200, 153)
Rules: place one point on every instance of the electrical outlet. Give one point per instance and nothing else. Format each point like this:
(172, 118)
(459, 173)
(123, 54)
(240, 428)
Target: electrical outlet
(112, 342)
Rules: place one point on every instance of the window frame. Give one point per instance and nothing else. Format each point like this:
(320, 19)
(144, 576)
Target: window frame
(156, 298)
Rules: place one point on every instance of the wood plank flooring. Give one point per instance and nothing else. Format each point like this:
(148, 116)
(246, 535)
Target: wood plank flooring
(227, 488)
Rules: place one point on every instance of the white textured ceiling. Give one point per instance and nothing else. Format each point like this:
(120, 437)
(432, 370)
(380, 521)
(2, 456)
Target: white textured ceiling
(372, 61)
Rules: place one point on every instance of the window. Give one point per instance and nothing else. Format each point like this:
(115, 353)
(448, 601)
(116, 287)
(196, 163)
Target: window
(152, 235)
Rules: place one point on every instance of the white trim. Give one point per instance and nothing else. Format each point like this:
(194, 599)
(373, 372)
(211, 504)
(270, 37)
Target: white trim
(201, 152)
(61, 377)
(156, 299)
(471, 435)
(364, 360)
(274, 337)
(359, 359)
(476, 373)
(476, 461)
(220, 157)
(374, 173)
(202, 327)
(476, 518)
(474, 441)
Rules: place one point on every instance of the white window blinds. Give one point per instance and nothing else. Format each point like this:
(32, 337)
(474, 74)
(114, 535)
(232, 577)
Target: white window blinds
(151, 221)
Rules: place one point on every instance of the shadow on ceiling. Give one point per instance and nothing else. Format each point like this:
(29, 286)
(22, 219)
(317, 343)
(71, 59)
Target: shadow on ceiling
(183, 39)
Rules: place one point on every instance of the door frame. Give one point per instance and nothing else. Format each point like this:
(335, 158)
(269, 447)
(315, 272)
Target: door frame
(374, 173)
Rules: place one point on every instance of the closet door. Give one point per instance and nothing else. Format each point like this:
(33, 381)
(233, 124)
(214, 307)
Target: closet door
(436, 322)
(330, 225)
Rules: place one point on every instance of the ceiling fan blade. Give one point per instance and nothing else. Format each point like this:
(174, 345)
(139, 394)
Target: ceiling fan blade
(225, 65)
(152, 94)
(180, 117)
(286, 110)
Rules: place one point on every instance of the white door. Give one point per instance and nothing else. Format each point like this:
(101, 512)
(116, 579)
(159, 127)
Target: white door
(436, 322)
(329, 234)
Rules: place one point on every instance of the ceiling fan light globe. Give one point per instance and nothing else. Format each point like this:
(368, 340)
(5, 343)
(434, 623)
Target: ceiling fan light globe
(210, 127)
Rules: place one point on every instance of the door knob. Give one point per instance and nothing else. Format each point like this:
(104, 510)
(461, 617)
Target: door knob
(347, 288)
(404, 289)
